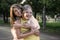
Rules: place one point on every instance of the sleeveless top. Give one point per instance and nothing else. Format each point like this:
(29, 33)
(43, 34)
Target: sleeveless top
(24, 30)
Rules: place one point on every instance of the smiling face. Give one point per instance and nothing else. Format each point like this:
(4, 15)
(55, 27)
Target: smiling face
(27, 13)
(17, 11)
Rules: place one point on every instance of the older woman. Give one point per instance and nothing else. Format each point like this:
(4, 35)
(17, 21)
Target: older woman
(31, 22)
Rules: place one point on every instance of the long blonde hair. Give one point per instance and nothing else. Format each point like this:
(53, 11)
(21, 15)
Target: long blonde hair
(12, 19)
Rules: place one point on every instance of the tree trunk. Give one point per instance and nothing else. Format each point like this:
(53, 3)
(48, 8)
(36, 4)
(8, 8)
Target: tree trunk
(44, 18)
(35, 14)
(4, 17)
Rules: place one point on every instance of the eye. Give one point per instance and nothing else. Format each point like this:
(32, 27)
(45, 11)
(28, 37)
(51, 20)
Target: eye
(30, 12)
(15, 11)
(26, 12)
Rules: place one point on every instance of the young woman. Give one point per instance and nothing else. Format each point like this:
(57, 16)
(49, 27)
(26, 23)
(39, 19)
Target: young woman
(15, 20)
(15, 15)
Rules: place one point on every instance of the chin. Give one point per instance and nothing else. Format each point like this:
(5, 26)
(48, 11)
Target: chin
(19, 15)
(27, 18)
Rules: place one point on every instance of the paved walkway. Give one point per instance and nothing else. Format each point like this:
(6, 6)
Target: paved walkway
(5, 34)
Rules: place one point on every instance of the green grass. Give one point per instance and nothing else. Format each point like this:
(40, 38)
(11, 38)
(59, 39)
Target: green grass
(53, 27)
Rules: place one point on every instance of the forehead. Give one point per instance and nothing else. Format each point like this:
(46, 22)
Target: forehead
(28, 10)
(16, 8)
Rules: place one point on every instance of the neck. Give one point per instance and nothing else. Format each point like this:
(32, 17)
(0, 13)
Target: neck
(24, 19)
(18, 18)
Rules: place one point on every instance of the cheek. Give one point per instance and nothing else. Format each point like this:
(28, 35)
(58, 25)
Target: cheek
(16, 14)
(25, 15)
(19, 13)
(30, 15)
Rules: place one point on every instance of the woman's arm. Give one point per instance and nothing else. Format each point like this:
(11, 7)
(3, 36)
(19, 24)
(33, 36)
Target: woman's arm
(21, 35)
(17, 25)
(37, 32)
(33, 27)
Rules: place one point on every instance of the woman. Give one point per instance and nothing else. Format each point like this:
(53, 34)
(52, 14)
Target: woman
(32, 19)
(33, 23)
(15, 15)
(14, 9)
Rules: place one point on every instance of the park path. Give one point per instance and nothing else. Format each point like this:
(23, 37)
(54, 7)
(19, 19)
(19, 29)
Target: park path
(5, 34)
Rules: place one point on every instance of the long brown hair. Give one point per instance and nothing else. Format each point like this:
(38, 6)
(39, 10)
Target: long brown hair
(12, 16)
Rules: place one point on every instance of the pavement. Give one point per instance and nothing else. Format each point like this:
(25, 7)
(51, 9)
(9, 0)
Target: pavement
(5, 34)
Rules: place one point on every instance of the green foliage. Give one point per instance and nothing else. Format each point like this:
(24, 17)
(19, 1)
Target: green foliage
(5, 5)
(52, 6)
(51, 28)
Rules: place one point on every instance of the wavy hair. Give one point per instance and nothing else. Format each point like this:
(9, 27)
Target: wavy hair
(12, 15)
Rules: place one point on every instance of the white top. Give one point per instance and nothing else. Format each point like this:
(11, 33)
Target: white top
(34, 22)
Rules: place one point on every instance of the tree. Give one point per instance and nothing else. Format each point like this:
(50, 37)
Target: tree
(5, 7)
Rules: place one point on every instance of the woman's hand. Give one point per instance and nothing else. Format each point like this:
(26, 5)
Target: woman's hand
(37, 32)
(17, 25)
(26, 25)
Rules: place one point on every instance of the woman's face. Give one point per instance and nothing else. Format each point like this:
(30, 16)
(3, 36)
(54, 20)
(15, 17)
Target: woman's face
(27, 13)
(17, 12)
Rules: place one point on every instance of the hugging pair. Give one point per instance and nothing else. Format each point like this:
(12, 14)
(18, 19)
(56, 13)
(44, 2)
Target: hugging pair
(23, 24)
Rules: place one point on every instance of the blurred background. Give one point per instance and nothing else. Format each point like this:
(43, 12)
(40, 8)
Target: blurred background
(47, 12)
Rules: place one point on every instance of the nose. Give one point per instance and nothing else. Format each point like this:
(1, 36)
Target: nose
(30, 14)
(19, 11)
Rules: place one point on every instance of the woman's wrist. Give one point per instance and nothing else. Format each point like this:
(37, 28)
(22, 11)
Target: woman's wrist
(16, 26)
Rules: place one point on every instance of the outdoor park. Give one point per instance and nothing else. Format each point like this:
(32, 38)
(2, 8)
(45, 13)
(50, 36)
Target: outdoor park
(47, 12)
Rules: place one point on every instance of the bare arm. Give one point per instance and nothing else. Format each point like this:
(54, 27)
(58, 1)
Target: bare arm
(37, 32)
(20, 35)
(19, 25)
